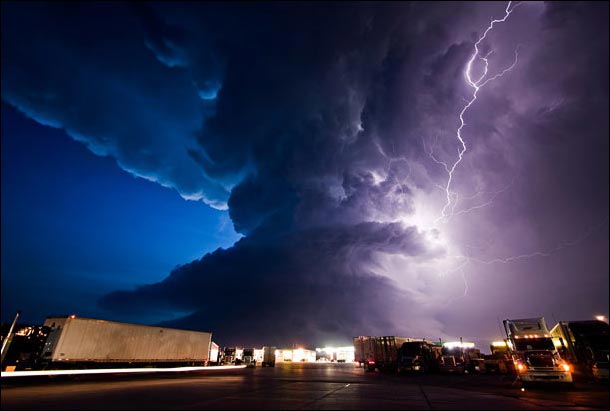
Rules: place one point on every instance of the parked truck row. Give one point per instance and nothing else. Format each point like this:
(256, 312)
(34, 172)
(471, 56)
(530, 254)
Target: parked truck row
(403, 354)
(247, 356)
(531, 351)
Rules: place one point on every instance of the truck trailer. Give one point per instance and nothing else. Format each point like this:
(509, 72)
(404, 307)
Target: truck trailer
(585, 345)
(363, 350)
(532, 350)
(75, 341)
(380, 353)
(268, 356)
(214, 354)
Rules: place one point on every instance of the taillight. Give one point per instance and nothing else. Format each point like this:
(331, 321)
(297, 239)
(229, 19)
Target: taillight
(371, 362)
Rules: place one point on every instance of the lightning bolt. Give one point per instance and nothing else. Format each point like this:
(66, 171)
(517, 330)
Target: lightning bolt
(491, 199)
(457, 197)
(588, 233)
(476, 84)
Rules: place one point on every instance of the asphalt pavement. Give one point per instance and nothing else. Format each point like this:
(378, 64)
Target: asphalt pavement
(295, 386)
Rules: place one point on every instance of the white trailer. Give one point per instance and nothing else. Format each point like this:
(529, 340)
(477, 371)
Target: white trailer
(364, 349)
(86, 340)
(214, 351)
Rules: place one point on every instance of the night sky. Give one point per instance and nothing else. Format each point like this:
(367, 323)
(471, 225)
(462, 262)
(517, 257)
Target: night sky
(302, 173)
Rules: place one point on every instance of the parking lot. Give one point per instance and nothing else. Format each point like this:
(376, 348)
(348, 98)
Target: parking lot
(296, 386)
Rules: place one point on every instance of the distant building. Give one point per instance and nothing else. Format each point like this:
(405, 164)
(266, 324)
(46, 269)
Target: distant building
(335, 354)
(295, 355)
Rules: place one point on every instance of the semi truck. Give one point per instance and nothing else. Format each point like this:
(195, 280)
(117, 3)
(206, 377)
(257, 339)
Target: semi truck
(418, 357)
(379, 352)
(25, 351)
(453, 359)
(75, 342)
(248, 357)
(268, 357)
(585, 345)
(499, 361)
(532, 350)
(229, 356)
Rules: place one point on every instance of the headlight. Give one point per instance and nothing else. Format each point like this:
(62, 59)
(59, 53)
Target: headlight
(521, 367)
(566, 367)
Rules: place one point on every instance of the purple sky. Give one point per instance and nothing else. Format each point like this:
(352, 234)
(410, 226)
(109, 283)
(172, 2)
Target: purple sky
(329, 133)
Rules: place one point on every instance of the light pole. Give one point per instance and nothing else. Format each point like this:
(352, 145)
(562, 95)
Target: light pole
(7, 340)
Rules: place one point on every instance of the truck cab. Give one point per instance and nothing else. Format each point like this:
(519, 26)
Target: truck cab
(585, 345)
(535, 356)
(229, 356)
(452, 364)
(416, 356)
(248, 357)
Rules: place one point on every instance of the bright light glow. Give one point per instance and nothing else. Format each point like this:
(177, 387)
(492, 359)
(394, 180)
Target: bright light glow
(520, 367)
(499, 344)
(332, 350)
(457, 344)
(566, 367)
(424, 217)
(601, 318)
(377, 178)
(115, 371)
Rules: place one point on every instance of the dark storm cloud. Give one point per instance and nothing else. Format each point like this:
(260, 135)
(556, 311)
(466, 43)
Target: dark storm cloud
(290, 108)
(85, 69)
(313, 285)
(318, 121)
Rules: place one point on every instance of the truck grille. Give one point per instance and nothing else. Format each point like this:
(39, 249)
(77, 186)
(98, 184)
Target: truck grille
(541, 361)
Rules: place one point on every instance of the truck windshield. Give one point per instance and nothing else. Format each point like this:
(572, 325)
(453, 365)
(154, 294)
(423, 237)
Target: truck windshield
(411, 349)
(593, 333)
(525, 344)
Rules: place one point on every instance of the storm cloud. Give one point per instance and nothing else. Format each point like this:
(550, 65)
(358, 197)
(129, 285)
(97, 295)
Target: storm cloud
(324, 131)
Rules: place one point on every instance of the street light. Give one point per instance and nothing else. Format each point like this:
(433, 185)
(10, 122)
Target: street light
(9, 337)
(601, 318)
